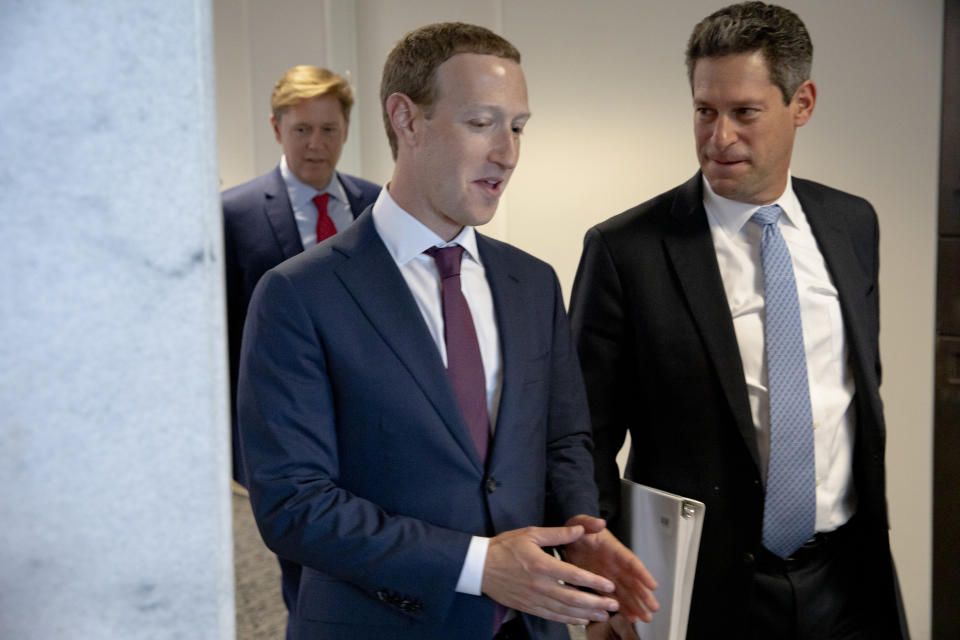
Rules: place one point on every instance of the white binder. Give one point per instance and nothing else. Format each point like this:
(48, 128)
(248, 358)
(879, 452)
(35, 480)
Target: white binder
(663, 530)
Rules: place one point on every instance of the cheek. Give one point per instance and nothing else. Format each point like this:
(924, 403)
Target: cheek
(700, 136)
(293, 148)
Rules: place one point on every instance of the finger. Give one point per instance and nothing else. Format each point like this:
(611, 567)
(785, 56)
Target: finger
(559, 601)
(589, 523)
(556, 536)
(636, 598)
(550, 615)
(642, 573)
(623, 628)
(568, 597)
(574, 575)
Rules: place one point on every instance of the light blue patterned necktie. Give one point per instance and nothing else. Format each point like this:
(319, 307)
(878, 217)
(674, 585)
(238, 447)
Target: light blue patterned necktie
(789, 513)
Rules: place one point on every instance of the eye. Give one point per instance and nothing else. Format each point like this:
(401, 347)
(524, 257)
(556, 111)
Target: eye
(747, 113)
(517, 129)
(479, 124)
(703, 112)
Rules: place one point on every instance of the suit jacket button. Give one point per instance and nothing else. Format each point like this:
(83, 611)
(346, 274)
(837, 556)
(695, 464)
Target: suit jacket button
(748, 558)
(491, 484)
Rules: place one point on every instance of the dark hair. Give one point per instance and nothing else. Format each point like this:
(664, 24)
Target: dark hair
(755, 26)
(411, 68)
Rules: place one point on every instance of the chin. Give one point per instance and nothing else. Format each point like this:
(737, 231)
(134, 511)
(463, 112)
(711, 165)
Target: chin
(484, 217)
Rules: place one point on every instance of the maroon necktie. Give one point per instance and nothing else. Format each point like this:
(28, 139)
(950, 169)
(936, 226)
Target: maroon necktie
(325, 227)
(464, 365)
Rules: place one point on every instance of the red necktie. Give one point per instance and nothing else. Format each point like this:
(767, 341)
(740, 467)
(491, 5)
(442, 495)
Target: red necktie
(325, 227)
(464, 365)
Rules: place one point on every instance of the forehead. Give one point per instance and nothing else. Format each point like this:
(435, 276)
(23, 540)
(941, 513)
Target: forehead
(731, 77)
(471, 79)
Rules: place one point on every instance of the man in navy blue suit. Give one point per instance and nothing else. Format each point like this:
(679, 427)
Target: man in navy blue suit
(301, 202)
(361, 358)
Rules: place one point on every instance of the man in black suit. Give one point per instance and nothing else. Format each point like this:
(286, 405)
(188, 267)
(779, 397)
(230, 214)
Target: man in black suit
(301, 202)
(674, 309)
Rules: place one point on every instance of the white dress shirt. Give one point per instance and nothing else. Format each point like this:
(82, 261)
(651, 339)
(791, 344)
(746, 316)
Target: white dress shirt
(737, 243)
(305, 211)
(406, 238)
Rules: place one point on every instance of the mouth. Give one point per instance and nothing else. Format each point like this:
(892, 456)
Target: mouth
(491, 186)
(725, 162)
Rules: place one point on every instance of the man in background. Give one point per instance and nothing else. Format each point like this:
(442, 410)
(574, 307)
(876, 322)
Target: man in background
(730, 325)
(303, 201)
(412, 413)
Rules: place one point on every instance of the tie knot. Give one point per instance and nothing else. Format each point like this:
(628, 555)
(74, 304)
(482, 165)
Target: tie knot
(447, 259)
(767, 215)
(321, 201)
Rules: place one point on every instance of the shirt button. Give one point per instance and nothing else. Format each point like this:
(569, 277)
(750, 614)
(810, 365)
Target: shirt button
(816, 424)
(491, 484)
(818, 482)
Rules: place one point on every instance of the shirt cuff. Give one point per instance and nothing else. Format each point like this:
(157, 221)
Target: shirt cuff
(471, 575)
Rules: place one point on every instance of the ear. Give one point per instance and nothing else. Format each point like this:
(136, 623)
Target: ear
(804, 100)
(276, 128)
(403, 114)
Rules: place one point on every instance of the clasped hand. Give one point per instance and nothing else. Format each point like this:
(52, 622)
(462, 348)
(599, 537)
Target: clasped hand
(519, 575)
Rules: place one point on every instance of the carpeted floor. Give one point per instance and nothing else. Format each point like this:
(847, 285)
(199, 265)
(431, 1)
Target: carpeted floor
(260, 611)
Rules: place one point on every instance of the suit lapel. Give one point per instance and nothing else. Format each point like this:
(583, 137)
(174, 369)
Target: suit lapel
(689, 247)
(504, 283)
(853, 285)
(373, 280)
(353, 193)
(279, 212)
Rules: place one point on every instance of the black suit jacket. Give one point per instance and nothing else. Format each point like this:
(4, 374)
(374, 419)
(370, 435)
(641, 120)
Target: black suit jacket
(660, 358)
(260, 232)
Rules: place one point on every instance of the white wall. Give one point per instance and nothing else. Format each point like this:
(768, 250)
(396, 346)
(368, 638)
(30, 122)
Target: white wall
(612, 127)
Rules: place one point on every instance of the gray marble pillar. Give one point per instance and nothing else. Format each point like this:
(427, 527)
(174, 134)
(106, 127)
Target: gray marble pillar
(114, 495)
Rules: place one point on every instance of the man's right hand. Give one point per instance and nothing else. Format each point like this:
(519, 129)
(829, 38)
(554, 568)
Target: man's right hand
(520, 575)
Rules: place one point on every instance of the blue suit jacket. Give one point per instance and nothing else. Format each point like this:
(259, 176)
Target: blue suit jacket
(260, 232)
(360, 466)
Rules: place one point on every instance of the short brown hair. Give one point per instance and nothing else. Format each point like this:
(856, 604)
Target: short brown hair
(411, 68)
(306, 81)
(777, 33)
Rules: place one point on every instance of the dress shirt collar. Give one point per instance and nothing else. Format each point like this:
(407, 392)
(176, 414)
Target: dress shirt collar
(731, 215)
(303, 194)
(406, 237)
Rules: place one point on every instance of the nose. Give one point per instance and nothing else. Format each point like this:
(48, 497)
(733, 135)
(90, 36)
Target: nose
(506, 149)
(315, 140)
(724, 132)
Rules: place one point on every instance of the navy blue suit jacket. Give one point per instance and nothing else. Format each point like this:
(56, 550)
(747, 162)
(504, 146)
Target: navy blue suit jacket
(260, 232)
(360, 466)
(660, 358)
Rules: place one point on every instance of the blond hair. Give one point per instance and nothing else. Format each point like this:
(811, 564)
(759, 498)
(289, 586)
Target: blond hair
(303, 82)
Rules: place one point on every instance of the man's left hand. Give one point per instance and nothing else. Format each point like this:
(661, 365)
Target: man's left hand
(599, 552)
(616, 628)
